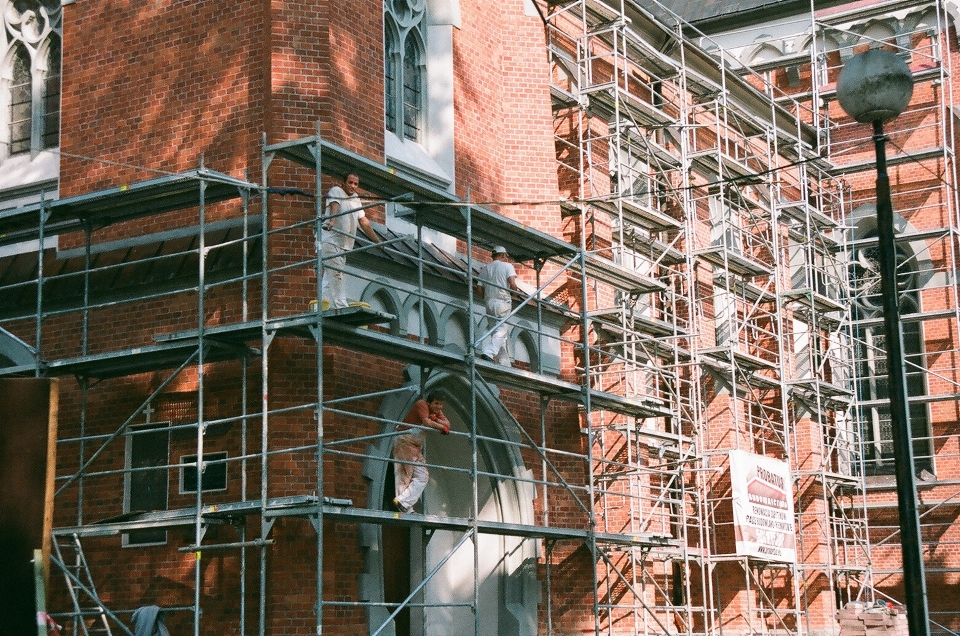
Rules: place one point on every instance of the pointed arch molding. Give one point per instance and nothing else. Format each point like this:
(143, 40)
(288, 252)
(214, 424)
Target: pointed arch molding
(952, 8)
(517, 583)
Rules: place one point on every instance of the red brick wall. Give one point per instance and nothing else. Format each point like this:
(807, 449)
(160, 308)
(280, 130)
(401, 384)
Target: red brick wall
(159, 86)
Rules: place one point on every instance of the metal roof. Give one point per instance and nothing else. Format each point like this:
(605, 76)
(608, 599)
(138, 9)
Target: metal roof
(714, 15)
(134, 268)
(426, 204)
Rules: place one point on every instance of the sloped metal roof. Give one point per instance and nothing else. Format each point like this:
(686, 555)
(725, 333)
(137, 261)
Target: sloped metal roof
(711, 16)
(127, 269)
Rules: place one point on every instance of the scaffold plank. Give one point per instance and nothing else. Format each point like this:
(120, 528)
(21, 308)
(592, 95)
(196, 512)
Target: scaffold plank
(618, 277)
(926, 316)
(895, 160)
(611, 102)
(624, 322)
(123, 203)
(120, 363)
(663, 436)
(746, 360)
(344, 333)
(733, 261)
(813, 300)
(804, 213)
(715, 164)
(817, 386)
(343, 510)
(646, 217)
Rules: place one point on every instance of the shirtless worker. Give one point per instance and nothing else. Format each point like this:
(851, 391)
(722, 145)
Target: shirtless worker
(410, 472)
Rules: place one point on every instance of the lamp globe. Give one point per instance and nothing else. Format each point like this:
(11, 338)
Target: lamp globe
(875, 85)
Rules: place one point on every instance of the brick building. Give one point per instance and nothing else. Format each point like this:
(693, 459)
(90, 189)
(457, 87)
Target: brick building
(692, 436)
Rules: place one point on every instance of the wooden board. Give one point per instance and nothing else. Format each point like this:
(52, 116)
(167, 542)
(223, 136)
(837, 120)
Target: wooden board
(28, 437)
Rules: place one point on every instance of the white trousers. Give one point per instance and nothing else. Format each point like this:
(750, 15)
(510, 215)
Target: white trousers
(332, 287)
(410, 495)
(411, 477)
(495, 345)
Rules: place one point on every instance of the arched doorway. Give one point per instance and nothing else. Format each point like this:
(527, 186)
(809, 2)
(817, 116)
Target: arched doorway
(401, 559)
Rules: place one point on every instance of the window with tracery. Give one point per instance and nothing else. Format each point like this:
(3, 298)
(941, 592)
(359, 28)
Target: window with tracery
(20, 118)
(404, 67)
(872, 383)
(31, 76)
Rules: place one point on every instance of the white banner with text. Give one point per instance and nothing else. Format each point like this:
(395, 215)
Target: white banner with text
(763, 507)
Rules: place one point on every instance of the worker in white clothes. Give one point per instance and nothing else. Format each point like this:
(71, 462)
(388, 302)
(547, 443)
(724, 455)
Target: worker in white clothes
(495, 281)
(341, 219)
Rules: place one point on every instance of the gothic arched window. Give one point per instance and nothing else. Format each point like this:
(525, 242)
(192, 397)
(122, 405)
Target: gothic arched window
(20, 115)
(404, 68)
(412, 88)
(390, 75)
(872, 384)
(31, 73)
(51, 96)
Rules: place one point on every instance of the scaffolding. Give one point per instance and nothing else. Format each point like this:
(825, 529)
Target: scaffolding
(685, 171)
(704, 306)
(519, 459)
(857, 437)
(923, 143)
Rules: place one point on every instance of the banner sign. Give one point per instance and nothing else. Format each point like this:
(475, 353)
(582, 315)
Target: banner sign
(763, 507)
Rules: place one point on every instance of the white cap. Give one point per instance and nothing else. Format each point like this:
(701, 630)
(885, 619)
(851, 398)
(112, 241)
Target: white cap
(499, 249)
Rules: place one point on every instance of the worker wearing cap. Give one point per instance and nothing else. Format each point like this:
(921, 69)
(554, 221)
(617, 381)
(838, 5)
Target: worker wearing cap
(495, 281)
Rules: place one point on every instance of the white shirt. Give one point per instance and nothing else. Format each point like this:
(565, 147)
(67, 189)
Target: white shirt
(494, 277)
(344, 226)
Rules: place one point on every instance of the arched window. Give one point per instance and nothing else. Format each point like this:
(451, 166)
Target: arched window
(425, 332)
(31, 72)
(51, 96)
(872, 384)
(419, 114)
(412, 89)
(390, 74)
(20, 116)
(404, 69)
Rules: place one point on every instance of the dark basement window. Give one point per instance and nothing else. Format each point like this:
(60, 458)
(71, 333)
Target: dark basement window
(214, 476)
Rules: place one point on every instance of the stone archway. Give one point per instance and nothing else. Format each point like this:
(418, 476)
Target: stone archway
(508, 589)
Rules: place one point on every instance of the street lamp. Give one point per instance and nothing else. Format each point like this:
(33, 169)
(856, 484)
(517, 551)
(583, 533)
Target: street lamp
(874, 87)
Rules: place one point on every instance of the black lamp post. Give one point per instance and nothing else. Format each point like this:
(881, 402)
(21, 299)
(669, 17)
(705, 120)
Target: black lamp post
(875, 87)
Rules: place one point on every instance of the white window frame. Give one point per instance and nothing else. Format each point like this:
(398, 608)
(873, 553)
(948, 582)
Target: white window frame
(25, 174)
(431, 22)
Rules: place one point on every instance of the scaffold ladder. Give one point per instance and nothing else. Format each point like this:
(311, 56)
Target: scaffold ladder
(76, 574)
